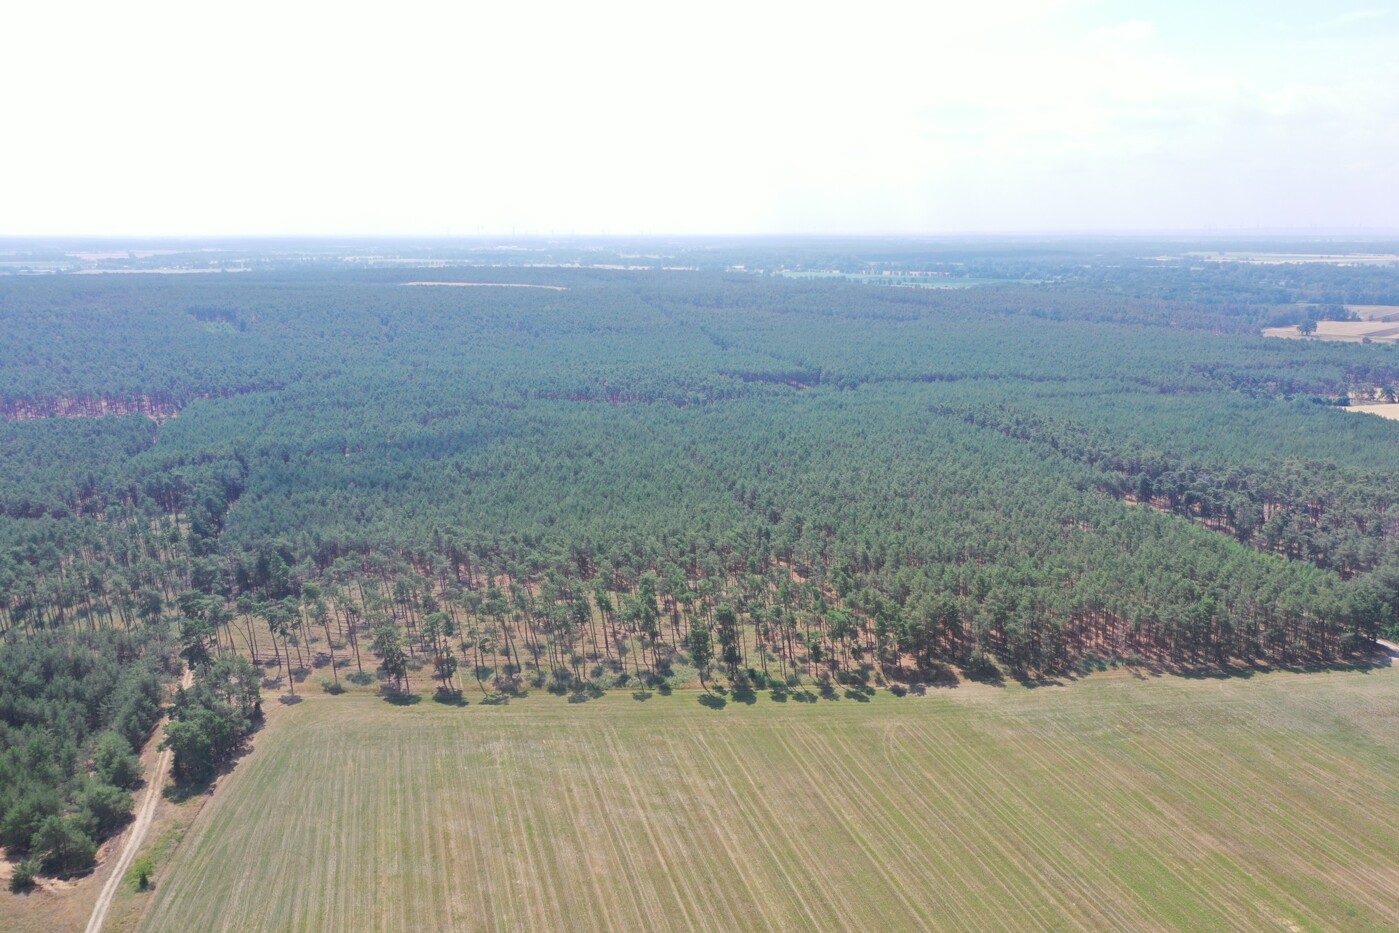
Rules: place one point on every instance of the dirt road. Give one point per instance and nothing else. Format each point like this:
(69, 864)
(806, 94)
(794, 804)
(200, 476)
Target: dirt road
(135, 833)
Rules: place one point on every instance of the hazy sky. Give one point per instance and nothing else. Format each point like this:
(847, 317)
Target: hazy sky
(718, 117)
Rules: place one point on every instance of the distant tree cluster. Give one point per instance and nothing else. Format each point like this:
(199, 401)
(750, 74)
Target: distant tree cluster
(209, 721)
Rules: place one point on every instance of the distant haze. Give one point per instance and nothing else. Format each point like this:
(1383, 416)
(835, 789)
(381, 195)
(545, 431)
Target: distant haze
(160, 118)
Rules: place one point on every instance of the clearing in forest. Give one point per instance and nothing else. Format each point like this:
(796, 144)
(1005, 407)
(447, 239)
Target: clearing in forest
(1389, 410)
(1114, 803)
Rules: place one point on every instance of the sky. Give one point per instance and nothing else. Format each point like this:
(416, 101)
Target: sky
(408, 118)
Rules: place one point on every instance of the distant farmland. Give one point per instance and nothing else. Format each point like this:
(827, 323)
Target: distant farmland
(1268, 802)
(1377, 324)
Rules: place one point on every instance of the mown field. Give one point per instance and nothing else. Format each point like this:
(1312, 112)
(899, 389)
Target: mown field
(1266, 802)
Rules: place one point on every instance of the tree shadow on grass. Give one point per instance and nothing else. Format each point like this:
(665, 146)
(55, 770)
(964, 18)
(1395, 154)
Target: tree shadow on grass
(1227, 672)
(1236, 669)
(1362, 664)
(583, 692)
(449, 697)
(744, 694)
(710, 701)
(180, 793)
(804, 696)
(641, 696)
(176, 792)
(1037, 680)
(990, 675)
(496, 699)
(400, 698)
(289, 699)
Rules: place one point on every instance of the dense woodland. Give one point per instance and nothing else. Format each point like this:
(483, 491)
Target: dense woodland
(75, 708)
(656, 475)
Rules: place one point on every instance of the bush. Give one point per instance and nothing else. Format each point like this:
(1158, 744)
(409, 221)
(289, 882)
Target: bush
(140, 874)
(23, 877)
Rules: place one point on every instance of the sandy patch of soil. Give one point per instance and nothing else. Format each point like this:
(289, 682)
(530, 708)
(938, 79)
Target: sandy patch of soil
(1390, 411)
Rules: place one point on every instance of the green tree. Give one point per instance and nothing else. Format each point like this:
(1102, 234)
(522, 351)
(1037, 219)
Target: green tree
(62, 847)
(114, 761)
(701, 650)
(389, 646)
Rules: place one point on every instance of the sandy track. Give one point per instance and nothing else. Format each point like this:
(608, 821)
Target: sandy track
(136, 833)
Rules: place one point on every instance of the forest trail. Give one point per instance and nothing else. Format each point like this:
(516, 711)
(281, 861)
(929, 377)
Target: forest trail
(136, 834)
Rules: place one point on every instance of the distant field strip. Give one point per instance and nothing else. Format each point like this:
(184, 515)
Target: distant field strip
(1264, 803)
(1342, 331)
(552, 288)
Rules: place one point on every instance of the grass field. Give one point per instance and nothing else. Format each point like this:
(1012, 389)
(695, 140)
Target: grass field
(1269, 802)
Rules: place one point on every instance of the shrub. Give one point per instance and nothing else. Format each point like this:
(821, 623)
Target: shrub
(23, 877)
(140, 874)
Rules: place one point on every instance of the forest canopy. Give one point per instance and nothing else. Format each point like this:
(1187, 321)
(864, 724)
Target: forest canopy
(1072, 456)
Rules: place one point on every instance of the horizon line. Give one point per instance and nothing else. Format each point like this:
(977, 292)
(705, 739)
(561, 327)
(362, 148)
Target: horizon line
(1124, 233)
